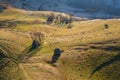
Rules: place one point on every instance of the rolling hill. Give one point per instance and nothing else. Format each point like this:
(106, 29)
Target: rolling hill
(91, 9)
(91, 49)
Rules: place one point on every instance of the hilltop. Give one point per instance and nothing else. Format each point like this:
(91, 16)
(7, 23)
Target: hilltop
(91, 48)
(91, 9)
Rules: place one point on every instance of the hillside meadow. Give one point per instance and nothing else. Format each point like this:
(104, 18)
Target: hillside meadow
(91, 50)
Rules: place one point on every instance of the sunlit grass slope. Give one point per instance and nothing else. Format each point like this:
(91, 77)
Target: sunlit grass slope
(91, 51)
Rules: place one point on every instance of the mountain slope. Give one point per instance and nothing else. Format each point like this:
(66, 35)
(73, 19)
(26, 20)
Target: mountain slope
(82, 8)
(87, 46)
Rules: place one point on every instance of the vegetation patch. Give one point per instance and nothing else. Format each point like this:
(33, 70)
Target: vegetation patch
(91, 48)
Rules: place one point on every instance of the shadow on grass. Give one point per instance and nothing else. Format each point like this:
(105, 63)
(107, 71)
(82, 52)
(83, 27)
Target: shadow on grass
(29, 51)
(107, 63)
(108, 48)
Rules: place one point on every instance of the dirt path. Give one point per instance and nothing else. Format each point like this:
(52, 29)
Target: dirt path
(29, 13)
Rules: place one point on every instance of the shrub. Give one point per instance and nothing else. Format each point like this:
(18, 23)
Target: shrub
(69, 26)
(106, 26)
(38, 37)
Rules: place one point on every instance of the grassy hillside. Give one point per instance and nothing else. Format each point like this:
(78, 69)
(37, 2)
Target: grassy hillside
(91, 50)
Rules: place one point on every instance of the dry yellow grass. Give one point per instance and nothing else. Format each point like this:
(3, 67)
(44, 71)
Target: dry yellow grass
(79, 58)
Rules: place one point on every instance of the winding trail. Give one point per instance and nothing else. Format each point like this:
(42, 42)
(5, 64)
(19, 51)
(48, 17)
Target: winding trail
(29, 13)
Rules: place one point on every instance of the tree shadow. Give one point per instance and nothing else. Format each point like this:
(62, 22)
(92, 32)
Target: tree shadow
(37, 41)
(35, 44)
(29, 51)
